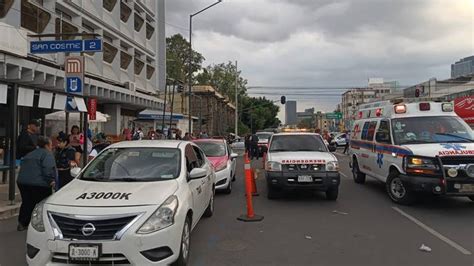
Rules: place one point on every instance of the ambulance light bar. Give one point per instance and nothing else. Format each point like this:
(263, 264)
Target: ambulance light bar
(400, 109)
(447, 107)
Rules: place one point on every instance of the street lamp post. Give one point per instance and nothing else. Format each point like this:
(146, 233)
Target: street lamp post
(190, 68)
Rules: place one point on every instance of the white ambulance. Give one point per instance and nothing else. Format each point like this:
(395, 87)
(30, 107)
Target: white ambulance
(413, 147)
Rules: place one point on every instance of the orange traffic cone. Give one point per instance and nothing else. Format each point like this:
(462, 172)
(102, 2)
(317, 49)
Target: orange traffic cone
(250, 216)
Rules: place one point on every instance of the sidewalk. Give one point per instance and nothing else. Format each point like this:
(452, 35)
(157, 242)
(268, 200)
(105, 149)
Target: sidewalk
(8, 210)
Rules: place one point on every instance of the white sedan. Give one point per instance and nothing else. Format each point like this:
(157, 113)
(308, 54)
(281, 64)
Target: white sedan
(135, 203)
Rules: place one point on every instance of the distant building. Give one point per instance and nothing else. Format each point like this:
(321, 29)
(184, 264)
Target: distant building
(463, 67)
(307, 114)
(290, 113)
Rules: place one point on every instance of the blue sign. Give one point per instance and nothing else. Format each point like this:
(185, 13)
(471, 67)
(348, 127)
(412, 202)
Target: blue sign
(74, 85)
(48, 47)
(65, 46)
(71, 105)
(94, 45)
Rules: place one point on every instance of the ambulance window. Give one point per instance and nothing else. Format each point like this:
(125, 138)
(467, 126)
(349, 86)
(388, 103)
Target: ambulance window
(364, 130)
(371, 130)
(383, 133)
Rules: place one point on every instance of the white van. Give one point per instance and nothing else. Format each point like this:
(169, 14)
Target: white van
(413, 147)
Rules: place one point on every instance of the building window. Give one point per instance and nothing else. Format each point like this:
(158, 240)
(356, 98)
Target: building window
(62, 26)
(109, 52)
(138, 66)
(109, 4)
(138, 22)
(5, 6)
(149, 31)
(149, 71)
(33, 18)
(125, 59)
(125, 11)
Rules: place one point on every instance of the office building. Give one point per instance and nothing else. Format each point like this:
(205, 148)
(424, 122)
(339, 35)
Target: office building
(463, 67)
(290, 113)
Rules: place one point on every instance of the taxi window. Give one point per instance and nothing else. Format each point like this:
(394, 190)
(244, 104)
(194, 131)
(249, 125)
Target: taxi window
(199, 156)
(191, 158)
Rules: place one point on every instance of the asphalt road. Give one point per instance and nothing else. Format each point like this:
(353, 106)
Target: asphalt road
(303, 229)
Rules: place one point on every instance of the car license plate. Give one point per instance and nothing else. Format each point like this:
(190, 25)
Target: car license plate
(305, 178)
(467, 188)
(88, 252)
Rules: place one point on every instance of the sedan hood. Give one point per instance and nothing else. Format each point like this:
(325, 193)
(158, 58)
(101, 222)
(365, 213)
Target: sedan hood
(82, 193)
(301, 157)
(216, 161)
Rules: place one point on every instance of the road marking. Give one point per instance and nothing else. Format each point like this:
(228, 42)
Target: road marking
(344, 175)
(434, 232)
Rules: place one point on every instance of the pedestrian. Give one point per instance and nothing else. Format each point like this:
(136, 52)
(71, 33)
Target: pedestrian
(127, 134)
(178, 134)
(35, 179)
(65, 160)
(75, 139)
(254, 146)
(187, 137)
(101, 144)
(204, 135)
(247, 144)
(138, 135)
(151, 134)
(28, 138)
(348, 140)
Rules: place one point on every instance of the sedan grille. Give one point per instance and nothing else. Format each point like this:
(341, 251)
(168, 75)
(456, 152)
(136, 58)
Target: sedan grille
(105, 229)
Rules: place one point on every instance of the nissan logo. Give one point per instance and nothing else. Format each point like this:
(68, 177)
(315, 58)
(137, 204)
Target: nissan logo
(470, 170)
(88, 229)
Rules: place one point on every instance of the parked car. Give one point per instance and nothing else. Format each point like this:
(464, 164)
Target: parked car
(135, 203)
(223, 159)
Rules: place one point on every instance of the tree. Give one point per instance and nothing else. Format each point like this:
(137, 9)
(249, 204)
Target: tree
(177, 57)
(258, 113)
(223, 76)
(305, 123)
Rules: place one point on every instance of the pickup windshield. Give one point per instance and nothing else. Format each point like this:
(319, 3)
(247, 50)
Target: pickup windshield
(134, 165)
(421, 130)
(293, 143)
(264, 136)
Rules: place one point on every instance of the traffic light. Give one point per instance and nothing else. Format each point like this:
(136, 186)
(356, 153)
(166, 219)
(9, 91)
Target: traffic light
(417, 93)
(283, 100)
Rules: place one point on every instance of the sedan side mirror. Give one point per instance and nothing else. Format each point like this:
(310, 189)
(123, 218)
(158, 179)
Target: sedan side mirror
(332, 148)
(75, 171)
(234, 155)
(197, 173)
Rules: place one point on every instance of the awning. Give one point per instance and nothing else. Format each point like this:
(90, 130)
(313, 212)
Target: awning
(45, 100)
(61, 116)
(158, 115)
(3, 93)
(25, 97)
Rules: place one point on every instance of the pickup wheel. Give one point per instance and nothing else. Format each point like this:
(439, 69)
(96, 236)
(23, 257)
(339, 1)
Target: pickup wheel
(210, 208)
(471, 197)
(357, 175)
(185, 244)
(332, 193)
(273, 192)
(397, 191)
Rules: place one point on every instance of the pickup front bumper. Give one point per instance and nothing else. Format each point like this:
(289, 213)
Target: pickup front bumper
(322, 181)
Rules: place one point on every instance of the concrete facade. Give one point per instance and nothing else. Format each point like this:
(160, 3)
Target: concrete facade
(463, 67)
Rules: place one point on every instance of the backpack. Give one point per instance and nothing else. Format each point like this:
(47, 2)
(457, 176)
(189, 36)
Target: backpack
(136, 135)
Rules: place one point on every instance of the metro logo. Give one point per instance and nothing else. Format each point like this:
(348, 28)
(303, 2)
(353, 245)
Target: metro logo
(302, 161)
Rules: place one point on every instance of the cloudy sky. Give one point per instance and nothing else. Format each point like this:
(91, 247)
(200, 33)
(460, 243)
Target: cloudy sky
(328, 43)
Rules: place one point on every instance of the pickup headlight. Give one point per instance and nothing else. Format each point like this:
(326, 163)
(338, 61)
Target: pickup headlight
(162, 217)
(332, 166)
(37, 217)
(273, 166)
(421, 165)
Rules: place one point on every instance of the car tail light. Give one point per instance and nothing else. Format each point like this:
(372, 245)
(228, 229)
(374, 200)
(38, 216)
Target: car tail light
(400, 109)
(424, 106)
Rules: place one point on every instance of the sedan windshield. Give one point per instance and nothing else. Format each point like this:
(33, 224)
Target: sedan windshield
(134, 165)
(264, 136)
(297, 143)
(212, 149)
(441, 129)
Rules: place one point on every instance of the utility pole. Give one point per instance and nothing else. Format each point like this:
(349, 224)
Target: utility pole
(236, 100)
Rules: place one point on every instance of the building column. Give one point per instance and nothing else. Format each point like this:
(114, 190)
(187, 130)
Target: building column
(112, 126)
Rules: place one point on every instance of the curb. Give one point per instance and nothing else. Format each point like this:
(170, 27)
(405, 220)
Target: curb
(9, 211)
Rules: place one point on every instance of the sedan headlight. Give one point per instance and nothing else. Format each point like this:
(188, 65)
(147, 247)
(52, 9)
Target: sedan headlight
(37, 217)
(162, 217)
(332, 166)
(421, 165)
(273, 166)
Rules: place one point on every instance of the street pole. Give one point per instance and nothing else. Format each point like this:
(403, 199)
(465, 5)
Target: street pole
(236, 129)
(190, 70)
(164, 112)
(172, 107)
(13, 146)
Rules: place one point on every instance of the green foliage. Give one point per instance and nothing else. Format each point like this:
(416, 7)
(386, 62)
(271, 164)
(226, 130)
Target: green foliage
(177, 58)
(258, 113)
(306, 123)
(223, 76)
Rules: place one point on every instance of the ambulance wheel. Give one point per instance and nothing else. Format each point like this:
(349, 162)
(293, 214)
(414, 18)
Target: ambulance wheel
(397, 191)
(358, 176)
(471, 198)
(185, 244)
(332, 193)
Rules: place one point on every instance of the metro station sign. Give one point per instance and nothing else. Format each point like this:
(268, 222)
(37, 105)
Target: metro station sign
(65, 46)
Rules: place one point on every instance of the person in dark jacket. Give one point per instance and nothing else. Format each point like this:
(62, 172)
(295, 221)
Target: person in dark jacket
(65, 159)
(28, 139)
(254, 146)
(247, 144)
(35, 179)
